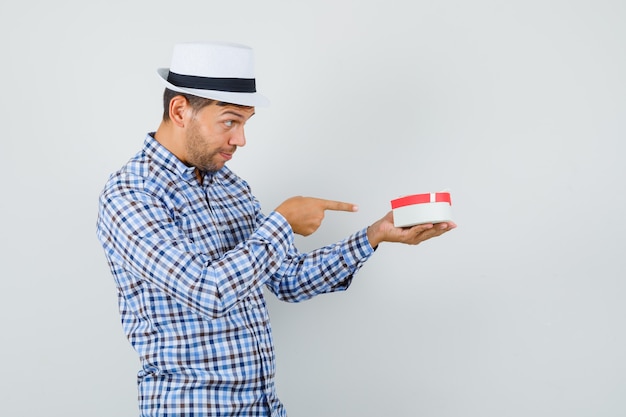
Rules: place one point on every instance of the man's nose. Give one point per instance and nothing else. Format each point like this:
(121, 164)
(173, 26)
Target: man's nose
(238, 138)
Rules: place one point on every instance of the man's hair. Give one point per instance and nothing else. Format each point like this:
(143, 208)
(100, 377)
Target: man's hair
(196, 103)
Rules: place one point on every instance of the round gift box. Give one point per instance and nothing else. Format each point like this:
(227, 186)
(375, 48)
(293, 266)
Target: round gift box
(422, 208)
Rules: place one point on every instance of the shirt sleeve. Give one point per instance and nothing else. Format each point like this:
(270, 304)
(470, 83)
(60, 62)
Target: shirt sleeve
(304, 275)
(140, 236)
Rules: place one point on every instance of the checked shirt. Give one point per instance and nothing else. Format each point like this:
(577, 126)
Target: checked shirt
(190, 262)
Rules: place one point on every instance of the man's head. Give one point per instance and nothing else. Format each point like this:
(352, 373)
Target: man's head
(210, 95)
(201, 132)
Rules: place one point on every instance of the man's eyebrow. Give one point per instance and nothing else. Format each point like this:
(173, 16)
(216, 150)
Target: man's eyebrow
(234, 113)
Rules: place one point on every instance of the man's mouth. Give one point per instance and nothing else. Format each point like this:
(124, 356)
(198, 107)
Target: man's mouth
(227, 155)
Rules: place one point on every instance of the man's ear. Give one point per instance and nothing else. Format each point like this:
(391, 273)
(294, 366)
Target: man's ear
(178, 109)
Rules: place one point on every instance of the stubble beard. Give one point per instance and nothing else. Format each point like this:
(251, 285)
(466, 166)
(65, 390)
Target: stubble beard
(197, 152)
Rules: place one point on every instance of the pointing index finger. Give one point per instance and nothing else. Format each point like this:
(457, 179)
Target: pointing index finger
(339, 206)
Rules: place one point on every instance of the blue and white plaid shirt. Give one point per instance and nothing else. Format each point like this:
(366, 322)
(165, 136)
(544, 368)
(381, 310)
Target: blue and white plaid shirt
(190, 261)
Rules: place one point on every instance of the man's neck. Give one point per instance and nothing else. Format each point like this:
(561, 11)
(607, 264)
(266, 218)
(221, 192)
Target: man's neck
(169, 139)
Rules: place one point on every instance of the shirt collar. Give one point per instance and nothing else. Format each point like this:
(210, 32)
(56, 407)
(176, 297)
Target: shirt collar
(160, 155)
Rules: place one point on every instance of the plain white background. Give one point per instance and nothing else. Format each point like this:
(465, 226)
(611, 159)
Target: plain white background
(518, 107)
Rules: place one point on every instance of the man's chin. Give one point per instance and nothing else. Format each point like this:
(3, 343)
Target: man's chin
(213, 168)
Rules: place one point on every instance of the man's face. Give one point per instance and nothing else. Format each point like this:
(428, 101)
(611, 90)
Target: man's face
(214, 133)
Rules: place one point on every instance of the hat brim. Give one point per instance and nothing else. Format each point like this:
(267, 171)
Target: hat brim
(243, 99)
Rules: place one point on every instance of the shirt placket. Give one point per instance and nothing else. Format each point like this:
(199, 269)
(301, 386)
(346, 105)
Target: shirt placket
(215, 219)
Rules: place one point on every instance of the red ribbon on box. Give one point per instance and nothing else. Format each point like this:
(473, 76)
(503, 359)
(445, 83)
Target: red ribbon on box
(421, 199)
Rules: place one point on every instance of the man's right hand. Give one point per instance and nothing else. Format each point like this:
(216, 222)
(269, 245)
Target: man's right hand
(305, 214)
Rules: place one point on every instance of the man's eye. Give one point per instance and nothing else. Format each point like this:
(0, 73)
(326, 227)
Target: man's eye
(229, 123)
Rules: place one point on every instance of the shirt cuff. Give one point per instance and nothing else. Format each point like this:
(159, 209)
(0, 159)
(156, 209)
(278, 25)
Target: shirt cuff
(357, 249)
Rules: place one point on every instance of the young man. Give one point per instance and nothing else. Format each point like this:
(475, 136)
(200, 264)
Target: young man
(190, 249)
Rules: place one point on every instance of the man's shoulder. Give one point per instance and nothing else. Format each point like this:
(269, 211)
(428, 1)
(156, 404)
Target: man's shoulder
(139, 172)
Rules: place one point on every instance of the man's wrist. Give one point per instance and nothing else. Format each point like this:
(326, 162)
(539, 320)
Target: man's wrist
(372, 237)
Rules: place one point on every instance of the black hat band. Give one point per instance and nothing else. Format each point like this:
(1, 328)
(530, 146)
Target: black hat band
(234, 85)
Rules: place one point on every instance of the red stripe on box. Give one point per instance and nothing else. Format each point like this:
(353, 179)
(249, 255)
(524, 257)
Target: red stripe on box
(420, 199)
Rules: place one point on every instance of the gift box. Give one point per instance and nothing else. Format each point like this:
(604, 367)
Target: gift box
(422, 208)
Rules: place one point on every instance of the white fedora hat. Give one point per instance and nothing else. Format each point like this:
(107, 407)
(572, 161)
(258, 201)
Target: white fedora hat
(215, 70)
